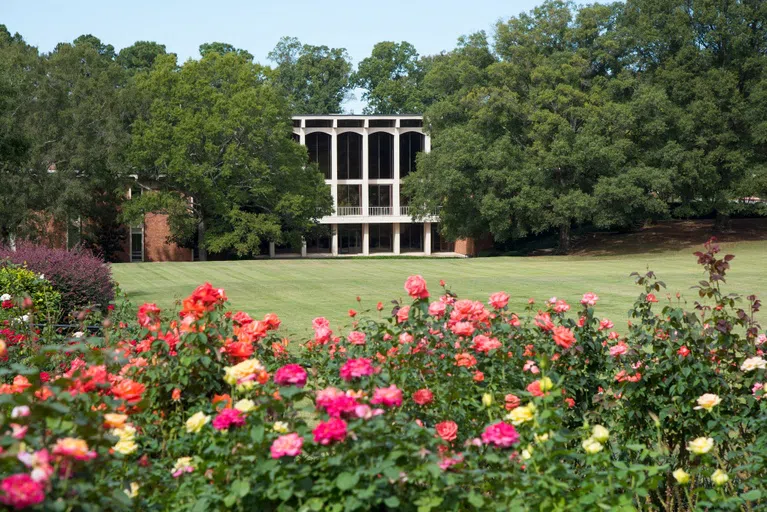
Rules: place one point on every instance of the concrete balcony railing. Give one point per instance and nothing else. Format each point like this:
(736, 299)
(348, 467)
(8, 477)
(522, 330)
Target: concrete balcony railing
(380, 210)
(349, 211)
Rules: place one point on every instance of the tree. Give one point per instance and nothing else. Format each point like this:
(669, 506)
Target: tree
(392, 78)
(140, 56)
(709, 61)
(77, 128)
(314, 78)
(18, 62)
(222, 49)
(537, 137)
(214, 136)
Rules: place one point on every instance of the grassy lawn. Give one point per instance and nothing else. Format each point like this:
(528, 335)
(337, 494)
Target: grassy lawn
(299, 290)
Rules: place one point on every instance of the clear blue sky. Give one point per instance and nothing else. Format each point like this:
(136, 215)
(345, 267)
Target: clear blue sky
(256, 25)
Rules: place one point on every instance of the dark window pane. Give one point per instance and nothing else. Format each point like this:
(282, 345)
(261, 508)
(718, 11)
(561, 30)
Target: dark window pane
(318, 145)
(296, 137)
(438, 242)
(349, 195)
(381, 123)
(351, 123)
(379, 195)
(411, 237)
(349, 156)
(350, 238)
(410, 144)
(411, 123)
(381, 156)
(319, 123)
(380, 237)
(296, 123)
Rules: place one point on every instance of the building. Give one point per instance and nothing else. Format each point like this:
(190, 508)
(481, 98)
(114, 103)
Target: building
(364, 159)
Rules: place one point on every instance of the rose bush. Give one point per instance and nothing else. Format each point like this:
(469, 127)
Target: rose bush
(445, 404)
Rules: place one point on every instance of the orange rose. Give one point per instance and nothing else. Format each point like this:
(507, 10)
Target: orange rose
(128, 390)
(447, 430)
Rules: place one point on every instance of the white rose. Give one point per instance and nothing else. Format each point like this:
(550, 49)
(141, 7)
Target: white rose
(752, 363)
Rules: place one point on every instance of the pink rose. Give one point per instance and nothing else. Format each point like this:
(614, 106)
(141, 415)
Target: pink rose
(499, 300)
(291, 374)
(447, 430)
(228, 418)
(20, 491)
(389, 397)
(356, 338)
(331, 431)
(589, 299)
(500, 435)
(437, 309)
(288, 445)
(402, 314)
(415, 286)
(356, 368)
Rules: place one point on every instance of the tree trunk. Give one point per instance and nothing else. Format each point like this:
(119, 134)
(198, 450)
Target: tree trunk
(202, 252)
(722, 223)
(564, 239)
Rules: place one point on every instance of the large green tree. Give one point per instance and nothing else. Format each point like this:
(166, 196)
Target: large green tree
(78, 128)
(214, 136)
(314, 78)
(535, 136)
(392, 79)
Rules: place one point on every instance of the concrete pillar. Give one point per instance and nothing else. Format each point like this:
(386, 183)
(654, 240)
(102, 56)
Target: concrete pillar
(334, 168)
(395, 238)
(395, 187)
(365, 192)
(427, 238)
(303, 248)
(366, 239)
(334, 239)
(271, 250)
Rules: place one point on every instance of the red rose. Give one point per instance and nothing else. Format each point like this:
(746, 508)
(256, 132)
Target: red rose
(423, 397)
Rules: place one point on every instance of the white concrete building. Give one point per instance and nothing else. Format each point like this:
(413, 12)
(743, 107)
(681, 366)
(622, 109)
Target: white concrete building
(364, 159)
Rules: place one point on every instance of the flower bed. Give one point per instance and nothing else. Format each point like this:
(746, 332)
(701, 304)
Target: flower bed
(440, 404)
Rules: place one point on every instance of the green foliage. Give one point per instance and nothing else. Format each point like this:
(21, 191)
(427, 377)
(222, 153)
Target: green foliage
(21, 283)
(314, 78)
(214, 134)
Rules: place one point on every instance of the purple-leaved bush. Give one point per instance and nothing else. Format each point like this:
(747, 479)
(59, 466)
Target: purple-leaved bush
(83, 279)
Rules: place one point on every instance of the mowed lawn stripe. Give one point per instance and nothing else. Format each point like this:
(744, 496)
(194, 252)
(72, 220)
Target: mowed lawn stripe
(299, 290)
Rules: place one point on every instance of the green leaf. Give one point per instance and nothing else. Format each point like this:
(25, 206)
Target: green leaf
(392, 502)
(346, 480)
(476, 499)
(240, 488)
(752, 495)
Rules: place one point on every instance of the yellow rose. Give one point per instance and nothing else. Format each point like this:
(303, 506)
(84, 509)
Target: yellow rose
(521, 414)
(183, 463)
(681, 476)
(133, 491)
(245, 405)
(591, 446)
(700, 445)
(600, 434)
(195, 422)
(113, 420)
(527, 452)
(546, 384)
(708, 401)
(719, 477)
(234, 374)
(280, 427)
(487, 399)
(540, 438)
(127, 443)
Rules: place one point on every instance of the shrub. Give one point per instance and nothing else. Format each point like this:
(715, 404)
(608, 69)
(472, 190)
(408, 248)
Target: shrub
(17, 284)
(83, 280)
(445, 404)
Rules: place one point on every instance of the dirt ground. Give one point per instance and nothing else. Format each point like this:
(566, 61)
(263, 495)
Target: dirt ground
(670, 235)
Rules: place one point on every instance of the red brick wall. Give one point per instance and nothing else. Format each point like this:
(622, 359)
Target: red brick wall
(156, 245)
(471, 247)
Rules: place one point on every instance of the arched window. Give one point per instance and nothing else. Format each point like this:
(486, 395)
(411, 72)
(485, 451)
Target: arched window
(381, 156)
(410, 144)
(318, 146)
(349, 156)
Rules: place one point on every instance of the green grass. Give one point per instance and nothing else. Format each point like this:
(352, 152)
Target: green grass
(299, 290)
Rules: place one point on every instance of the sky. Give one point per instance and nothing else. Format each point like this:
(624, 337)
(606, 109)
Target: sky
(256, 25)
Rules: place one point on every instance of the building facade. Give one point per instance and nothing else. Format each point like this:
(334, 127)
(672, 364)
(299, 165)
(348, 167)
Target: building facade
(364, 159)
